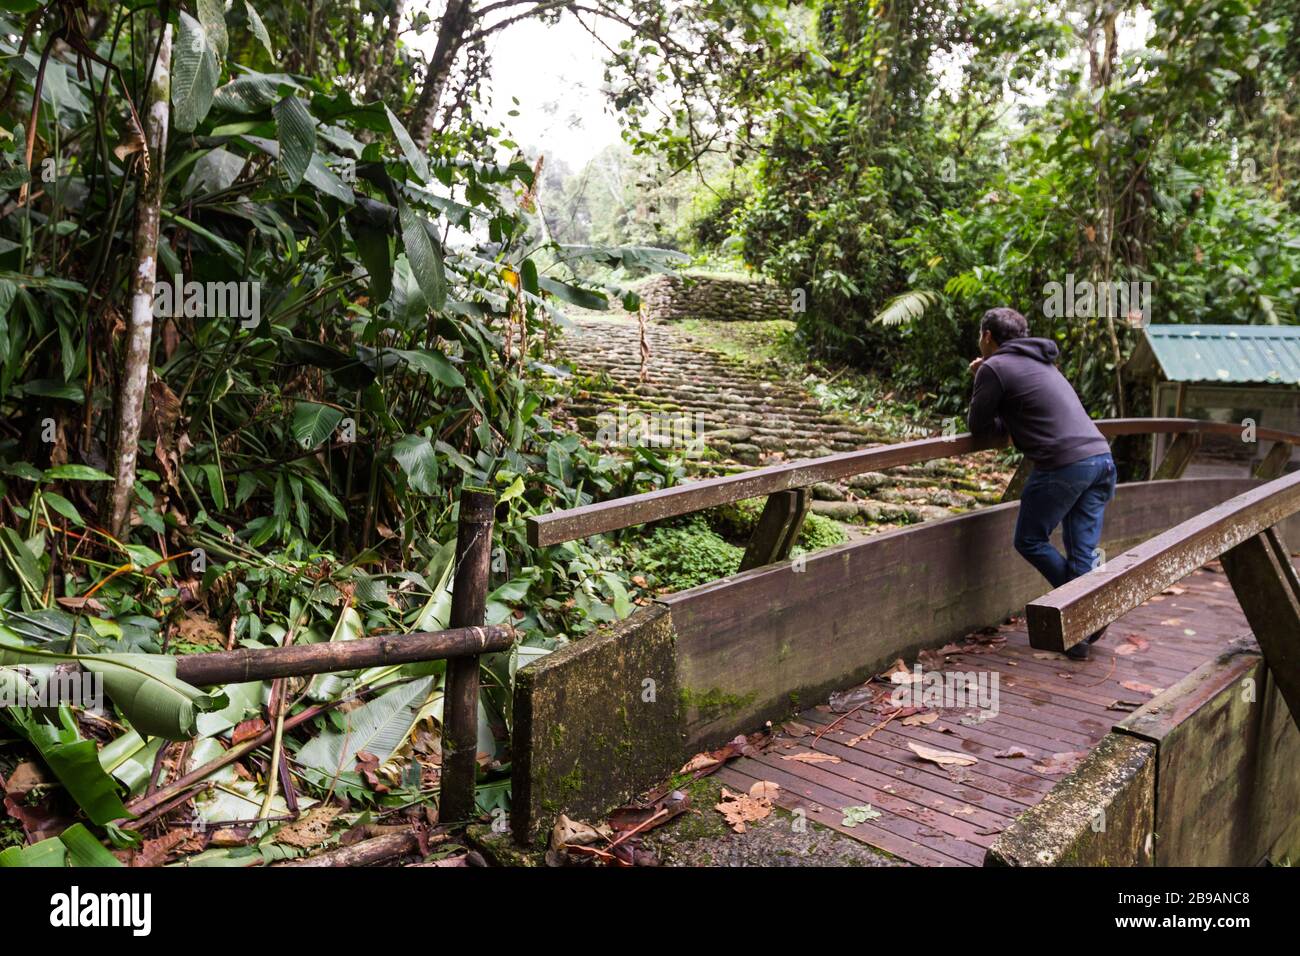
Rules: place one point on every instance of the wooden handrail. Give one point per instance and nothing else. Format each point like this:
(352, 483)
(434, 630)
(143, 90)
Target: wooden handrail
(300, 660)
(574, 523)
(1067, 615)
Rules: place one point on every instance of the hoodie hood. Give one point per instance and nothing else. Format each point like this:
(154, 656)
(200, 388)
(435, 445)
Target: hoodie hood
(1044, 350)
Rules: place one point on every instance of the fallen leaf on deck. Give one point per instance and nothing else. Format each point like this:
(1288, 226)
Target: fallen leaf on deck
(1141, 688)
(944, 758)
(1172, 622)
(844, 701)
(1061, 763)
(796, 729)
(699, 762)
(1127, 705)
(1012, 752)
(567, 832)
(811, 757)
(1174, 589)
(919, 720)
(860, 814)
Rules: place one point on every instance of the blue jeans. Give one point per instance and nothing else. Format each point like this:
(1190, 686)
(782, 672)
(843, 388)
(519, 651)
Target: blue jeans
(1074, 497)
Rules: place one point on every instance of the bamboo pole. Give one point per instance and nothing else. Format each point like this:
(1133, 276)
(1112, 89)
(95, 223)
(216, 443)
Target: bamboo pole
(460, 691)
(299, 660)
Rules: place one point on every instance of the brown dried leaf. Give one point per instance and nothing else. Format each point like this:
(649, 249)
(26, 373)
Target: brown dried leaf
(944, 758)
(1060, 763)
(809, 756)
(740, 808)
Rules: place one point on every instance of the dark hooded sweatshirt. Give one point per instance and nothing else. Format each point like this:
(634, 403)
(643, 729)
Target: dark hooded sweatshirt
(1019, 390)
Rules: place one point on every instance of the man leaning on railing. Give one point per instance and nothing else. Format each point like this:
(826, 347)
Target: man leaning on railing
(1020, 392)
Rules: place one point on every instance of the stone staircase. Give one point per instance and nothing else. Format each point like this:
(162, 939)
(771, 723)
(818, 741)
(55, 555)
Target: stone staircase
(744, 415)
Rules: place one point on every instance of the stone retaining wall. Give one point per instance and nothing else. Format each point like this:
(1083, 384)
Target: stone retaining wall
(676, 296)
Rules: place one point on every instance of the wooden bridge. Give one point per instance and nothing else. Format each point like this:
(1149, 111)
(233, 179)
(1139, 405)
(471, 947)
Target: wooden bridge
(1148, 735)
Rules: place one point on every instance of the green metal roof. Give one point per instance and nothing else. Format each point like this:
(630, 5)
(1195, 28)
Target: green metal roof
(1225, 353)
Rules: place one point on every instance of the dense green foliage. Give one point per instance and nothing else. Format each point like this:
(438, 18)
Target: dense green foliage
(928, 161)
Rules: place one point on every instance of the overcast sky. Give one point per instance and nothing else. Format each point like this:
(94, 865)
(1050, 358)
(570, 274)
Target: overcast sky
(556, 73)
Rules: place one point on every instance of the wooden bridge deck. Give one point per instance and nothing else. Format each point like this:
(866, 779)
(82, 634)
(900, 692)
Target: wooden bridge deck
(1050, 707)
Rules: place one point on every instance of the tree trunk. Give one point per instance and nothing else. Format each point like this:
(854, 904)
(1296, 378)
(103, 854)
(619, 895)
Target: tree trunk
(135, 375)
(454, 25)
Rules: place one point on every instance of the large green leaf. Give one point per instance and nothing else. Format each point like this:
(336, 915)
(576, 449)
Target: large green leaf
(194, 74)
(412, 152)
(583, 298)
(378, 728)
(259, 28)
(212, 14)
(143, 686)
(313, 423)
(424, 256)
(437, 365)
(295, 130)
(75, 846)
(74, 762)
(415, 456)
(376, 255)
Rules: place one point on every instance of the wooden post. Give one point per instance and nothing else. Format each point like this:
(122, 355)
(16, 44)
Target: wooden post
(1017, 482)
(777, 529)
(1268, 591)
(460, 688)
(1275, 462)
(1178, 457)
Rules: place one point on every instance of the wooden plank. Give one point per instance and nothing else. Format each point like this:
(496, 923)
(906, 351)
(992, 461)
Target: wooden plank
(581, 522)
(1178, 457)
(777, 528)
(1274, 463)
(1017, 483)
(820, 805)
(920, 799)
(1073, 611)
(1268, 590)
(906, 817)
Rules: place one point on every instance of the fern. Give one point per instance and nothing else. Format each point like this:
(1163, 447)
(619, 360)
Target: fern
(907, 307)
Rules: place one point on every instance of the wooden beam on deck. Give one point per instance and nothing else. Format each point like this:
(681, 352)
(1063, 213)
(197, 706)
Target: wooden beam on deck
(1268, 590)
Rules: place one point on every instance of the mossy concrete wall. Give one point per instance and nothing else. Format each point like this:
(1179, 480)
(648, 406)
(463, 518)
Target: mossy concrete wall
(1228, 765)
(596, 722)
(1205, 774)
(1103, 814)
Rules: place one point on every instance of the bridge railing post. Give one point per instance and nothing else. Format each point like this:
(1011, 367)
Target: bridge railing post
(461, 684)
(1268, 590)
(1178, 456)
(778, 528)
(1275, 462)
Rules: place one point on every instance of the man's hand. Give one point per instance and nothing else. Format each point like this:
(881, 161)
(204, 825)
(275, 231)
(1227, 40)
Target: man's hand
(975, 365)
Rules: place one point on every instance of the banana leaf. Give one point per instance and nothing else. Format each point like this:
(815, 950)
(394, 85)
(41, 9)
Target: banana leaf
(378, 728)
(75, 846)
(144, 686)
(74, 762)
